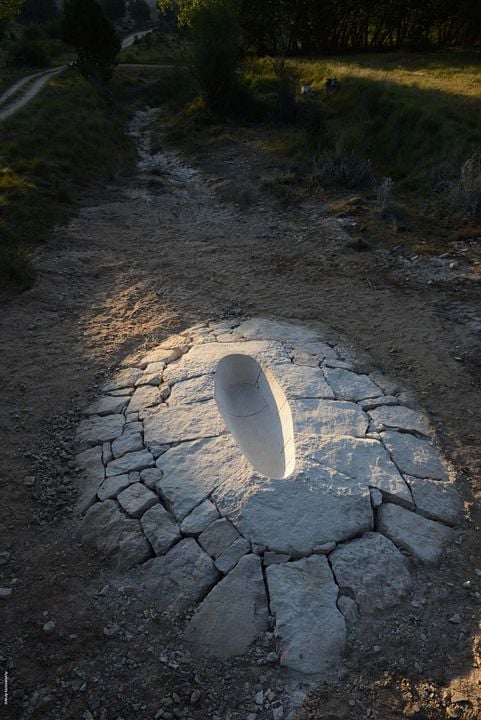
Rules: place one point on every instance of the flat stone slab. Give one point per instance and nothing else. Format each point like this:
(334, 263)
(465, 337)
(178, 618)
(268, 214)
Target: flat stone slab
(126, 443)
(328, 417)
(116, 537)
(349, 385)
(364, 460)
(188, 476)
(310, 631)
(160, 529)
(108, 405)
(303, 382)
(144, 396)
(125, 378)
(164, 425)
(181, 578)
(414, 456)
(436, 500)
(129, 462)
(217, 537)
(295, 516)
(399, 417)
(425, 539)
(195, 390)
(233, 614)
(373, 570)
(200, 518)
(91, 476)
(218, 474)
(112, 486)
(136, 499)
(97, 430)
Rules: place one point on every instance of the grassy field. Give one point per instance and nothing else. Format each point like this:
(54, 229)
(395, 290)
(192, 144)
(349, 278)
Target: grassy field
(413, 118)
(51, 152)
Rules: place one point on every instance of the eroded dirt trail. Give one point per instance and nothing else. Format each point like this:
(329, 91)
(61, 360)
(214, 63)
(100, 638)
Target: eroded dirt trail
(151, 258)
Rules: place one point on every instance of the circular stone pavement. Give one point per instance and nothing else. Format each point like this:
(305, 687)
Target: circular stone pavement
(168, 492)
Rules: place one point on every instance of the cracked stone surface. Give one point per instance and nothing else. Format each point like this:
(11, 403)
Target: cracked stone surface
(167, 495)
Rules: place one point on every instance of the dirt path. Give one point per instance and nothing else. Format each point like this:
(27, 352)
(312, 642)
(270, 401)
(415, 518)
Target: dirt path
(151, 258)
(19, 94)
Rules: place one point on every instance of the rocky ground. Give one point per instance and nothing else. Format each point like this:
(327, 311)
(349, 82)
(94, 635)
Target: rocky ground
(147, 259)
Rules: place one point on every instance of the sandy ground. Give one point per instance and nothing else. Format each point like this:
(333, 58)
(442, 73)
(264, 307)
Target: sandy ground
(150, 257)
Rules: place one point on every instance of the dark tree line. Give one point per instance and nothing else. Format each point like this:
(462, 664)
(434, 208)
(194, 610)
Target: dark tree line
(331, 26)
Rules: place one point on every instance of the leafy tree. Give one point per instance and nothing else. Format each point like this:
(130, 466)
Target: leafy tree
(38, 11)
(85, 27)
(114, 10)
(139, 12)
(215, 32)
(9, 8)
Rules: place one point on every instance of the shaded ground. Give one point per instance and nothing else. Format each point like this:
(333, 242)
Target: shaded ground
(154, 257)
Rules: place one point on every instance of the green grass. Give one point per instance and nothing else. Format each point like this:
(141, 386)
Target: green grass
(415, 118)
(52, 151)
(155, 49)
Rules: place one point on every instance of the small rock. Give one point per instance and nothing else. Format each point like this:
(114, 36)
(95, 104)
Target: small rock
(4, 557)
(195, 697)
(6, 592)
(278, 713)
(49, 627)
(376, 648)
(259, 698)
(455, 619)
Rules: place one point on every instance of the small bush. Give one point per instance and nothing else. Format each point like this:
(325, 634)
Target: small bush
(470, 185)
(345, 170)
(215, 36)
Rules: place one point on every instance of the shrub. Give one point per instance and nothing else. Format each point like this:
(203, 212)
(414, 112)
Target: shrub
(215, 49)
(85, 27)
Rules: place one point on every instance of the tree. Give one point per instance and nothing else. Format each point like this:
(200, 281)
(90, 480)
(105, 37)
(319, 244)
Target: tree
(139, 12)
(38, 11)
(9, 8)
(85, 27)
(114, 10)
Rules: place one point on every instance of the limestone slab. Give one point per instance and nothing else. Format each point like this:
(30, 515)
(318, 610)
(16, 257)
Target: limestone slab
(203, 359)
(303, 382)
(150, 477)
(436, 500)
(400, 418)
(112, 486)
(200, 518)
(124, 378)
(373, 570)
(296, 515)
(152, 375)
(328, 417)
(181, 578)
(310, 631)
(367, 461)
(349, 385)
(118, 538)
(137, 499)
(97, 430)
(92, 475)
(229, 558)
(414, 456)
(160, 528)
(233, 614)
(108, 405)
(127, 442)
(217, 537)
(192, 470)
(161, 354)
(180, 423)
(196, 389)
(129, 462)
(423, 538)
(144, 396)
